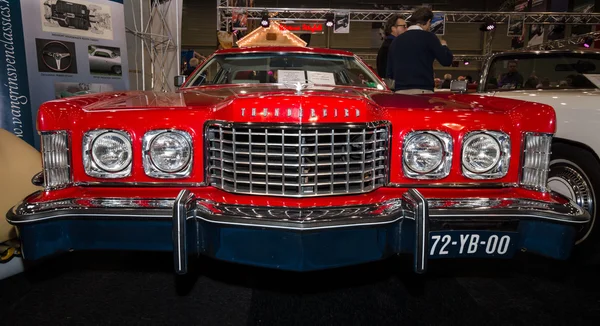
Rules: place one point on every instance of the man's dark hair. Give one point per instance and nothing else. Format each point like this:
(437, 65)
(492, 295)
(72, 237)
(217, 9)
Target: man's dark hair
(421, 16)
(391, 22)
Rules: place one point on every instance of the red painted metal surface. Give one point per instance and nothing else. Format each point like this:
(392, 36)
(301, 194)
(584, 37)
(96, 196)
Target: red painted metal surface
(189, 109)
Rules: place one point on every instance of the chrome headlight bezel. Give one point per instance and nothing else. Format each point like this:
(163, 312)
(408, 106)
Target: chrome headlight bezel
(443, 168)
(500, 168)
(154, 171)
(90, 165)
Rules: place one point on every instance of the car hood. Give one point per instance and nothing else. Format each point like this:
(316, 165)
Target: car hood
(259, 95)
(207, 96)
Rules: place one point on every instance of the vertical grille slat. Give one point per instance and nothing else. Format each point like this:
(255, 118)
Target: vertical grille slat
(297, 160)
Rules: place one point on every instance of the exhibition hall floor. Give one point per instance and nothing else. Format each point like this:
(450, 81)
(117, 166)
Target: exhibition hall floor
(139, 289)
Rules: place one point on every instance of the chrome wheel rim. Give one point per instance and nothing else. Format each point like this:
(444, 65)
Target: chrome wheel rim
(568, 179)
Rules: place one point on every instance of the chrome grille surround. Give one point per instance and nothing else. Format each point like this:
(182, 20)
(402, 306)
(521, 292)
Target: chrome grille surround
(297, 160)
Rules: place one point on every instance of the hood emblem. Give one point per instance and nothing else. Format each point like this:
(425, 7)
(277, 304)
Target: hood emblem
(313, 113)
(300, 87)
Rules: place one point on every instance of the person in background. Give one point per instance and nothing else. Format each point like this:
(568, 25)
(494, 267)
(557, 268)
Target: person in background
(446, 82)
(393, 27)
(512, 78)
(192, 66)
(469, 79)
(411, 55)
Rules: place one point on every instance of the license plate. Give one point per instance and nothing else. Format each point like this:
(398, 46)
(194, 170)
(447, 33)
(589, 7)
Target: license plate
(449, 244)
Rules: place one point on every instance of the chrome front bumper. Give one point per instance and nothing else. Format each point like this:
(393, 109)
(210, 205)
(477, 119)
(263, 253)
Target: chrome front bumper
(189, 225)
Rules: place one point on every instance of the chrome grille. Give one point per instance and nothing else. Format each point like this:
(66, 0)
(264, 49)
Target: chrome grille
(297, 161)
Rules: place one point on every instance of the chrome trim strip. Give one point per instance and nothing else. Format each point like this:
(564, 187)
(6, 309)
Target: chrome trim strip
(162, 209)
(418, 205)
(185, 202)
(456, 185)
(139, 184)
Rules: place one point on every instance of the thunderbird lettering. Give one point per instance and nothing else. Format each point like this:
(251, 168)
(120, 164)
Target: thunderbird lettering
(300, 112)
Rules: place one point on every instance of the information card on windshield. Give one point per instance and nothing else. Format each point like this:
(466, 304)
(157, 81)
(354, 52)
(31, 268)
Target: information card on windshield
(291, 76)
(321, 78)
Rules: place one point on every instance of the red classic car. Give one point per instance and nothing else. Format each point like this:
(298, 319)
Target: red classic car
(297, 159)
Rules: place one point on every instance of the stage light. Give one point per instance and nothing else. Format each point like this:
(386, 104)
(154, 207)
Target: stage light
(589, 41)
(488, 25)
(466, 63)
(329, 19)
(264, 22)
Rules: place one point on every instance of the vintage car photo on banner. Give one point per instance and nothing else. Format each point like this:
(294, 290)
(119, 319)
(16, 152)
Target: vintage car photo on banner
(104, 60)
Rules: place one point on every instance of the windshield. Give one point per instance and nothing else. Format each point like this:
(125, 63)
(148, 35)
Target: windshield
(270, 68)
(542, 71)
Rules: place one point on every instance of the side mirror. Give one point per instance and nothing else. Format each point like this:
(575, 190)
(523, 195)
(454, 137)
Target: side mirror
(179, 80)
(390, 83)
(458, 86)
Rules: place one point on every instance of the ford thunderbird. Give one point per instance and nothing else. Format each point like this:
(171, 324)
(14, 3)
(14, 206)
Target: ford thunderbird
(296, 159)
(569, 81)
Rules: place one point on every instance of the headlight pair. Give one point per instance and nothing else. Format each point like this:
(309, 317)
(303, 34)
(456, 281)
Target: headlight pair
(428, 155)
(166, 153)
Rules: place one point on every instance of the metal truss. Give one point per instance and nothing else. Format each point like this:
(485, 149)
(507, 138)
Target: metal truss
(160, 44)
(457, 57)
(315, 14)
(573, 40)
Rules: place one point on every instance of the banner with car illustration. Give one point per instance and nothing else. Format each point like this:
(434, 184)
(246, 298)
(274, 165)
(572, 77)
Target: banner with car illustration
(68, 48)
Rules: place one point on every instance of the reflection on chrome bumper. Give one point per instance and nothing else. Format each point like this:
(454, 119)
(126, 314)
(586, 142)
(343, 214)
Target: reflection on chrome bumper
(421, 216)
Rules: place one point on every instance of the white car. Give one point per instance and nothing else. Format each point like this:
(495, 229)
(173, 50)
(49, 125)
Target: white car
(105, 60)
(566, 80)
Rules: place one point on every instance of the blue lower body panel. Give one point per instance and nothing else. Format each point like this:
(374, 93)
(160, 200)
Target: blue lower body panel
(272, 248)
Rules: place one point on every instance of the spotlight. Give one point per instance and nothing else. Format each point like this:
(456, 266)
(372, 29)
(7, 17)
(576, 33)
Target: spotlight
(589, 41)
(264, 22)
(466, 63)
(329, 19)
(488, 25)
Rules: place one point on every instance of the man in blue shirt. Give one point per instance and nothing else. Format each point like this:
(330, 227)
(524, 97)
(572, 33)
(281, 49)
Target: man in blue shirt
(392, 28)
(411, 55)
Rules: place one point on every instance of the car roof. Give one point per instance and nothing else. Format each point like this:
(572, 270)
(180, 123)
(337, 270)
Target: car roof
(578, 51)
(294, 49)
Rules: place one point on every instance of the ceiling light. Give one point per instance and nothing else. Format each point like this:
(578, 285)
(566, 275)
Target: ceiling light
(329, 17)
(488, 25)
(264, 22)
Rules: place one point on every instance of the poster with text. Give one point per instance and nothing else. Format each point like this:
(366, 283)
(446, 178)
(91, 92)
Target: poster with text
(438, 24)
(342, 23)
(15, 102)
(71, 47)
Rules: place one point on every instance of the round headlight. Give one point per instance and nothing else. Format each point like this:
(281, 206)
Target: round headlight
(423, 153)
(111, 151)
(481, 153)
(170, 152)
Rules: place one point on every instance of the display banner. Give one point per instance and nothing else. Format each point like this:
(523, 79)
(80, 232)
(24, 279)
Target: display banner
(67, 48)
(15, 105)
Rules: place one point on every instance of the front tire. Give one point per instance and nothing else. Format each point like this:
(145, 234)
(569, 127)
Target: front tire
(575, 173)
(116, 70)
